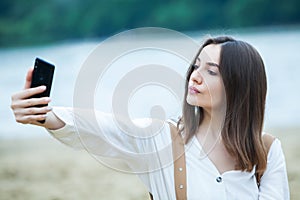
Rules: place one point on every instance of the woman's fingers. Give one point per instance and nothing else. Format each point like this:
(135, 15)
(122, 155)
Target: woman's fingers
(25, 103)
(25, 94)
(34, 110)
(30, 119)
(34, 102)
(28, 78)
(28, 110)
(31, 114)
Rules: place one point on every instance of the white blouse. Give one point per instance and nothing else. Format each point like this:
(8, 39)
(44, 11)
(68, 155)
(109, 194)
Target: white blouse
(125, 149)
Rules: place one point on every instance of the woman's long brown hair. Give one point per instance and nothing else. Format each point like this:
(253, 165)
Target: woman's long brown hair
(244, 78)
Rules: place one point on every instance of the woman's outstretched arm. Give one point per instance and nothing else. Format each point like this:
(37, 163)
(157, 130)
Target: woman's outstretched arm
(94, 131)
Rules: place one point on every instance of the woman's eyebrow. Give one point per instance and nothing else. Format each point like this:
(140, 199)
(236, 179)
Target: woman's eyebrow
(212, 64)
(209, 63)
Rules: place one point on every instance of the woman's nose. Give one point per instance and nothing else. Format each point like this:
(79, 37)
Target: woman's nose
(196, 77)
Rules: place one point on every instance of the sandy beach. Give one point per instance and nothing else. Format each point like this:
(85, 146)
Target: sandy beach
(44, 169)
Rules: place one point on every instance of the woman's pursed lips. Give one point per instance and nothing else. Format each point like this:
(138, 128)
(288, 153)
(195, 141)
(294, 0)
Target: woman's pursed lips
(193, 90)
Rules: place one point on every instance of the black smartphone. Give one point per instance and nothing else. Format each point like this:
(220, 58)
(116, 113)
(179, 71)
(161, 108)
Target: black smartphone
(42, 75)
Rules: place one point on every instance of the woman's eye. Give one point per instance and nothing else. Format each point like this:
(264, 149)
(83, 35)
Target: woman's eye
(211, 72)
(195, 67)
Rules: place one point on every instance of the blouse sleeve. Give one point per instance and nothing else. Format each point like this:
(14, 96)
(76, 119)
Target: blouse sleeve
(274, 182)
(126, 148)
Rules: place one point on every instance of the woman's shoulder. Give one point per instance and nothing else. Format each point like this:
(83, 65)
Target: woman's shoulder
(268, 140)
(273, 147)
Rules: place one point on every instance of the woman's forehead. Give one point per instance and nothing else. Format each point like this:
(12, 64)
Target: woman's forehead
(210, 53)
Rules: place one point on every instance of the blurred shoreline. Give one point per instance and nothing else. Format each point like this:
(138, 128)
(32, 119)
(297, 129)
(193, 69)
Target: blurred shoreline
(278, 49)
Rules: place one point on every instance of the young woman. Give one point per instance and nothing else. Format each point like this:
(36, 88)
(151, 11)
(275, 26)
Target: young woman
(221, 126)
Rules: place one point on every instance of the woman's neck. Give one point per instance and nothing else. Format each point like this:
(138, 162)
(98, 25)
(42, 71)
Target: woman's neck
(212, 123)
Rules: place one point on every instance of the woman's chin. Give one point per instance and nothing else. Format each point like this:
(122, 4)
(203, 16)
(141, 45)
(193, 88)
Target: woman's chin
(191, 101)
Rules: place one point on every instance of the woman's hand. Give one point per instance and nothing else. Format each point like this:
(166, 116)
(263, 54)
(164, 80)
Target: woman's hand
(26, 109)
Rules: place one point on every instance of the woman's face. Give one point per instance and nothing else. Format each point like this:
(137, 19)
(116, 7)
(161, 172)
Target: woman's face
(205, 88)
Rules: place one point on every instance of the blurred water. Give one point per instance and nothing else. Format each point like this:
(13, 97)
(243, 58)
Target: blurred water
(280, 51)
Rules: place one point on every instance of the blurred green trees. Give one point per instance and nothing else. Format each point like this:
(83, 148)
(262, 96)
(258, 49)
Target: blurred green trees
(42, 21)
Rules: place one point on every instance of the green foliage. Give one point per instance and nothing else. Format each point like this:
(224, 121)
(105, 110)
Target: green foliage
(42, 21)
